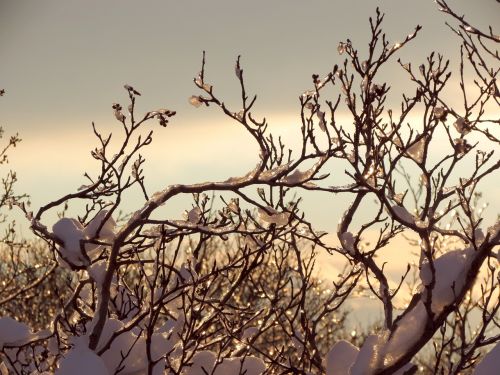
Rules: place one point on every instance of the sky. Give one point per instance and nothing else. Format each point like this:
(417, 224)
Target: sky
(64, 62)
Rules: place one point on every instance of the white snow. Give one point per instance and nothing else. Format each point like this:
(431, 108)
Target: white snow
(97, 272)
(107, 231)
(80, 360)
(340, 358)
(450, 270)
(403, 215)
(249, 332)
(347, 239)
(408, 330)
(205, 361)
(346, 359)
(490, 364)
(202, 361)
(13, 332)
(132, 344)
(367, 358)
(239, 365)
(70, 231)
(384, 350)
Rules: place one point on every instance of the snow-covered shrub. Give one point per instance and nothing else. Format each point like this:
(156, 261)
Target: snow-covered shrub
(229, 286)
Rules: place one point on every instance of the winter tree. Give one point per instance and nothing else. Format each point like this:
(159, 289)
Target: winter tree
(230, 285)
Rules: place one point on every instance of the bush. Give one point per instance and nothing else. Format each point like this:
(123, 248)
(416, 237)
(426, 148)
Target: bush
(231, 288)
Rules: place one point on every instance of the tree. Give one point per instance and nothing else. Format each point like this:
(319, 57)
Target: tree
(230, 287)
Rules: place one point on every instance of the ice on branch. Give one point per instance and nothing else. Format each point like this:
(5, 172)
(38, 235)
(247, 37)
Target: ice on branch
(195, 101)
(341, 48)
(309, 94)
(234, 205)
(440, 113)
(238, 71)
(193, 216)
(187, 274)
(364, 83)
(274, 216)
(118, 112)
(416, 151)
(461, 146)
(245, 178)
(462, 125)
(273, 173)
(322, 121)
(297, 176)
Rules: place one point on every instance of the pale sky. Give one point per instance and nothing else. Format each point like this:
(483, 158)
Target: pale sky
(65, 61)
